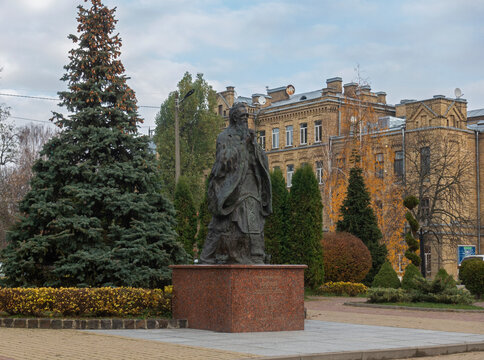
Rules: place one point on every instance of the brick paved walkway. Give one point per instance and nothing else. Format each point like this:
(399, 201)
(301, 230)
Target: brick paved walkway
(32, 344)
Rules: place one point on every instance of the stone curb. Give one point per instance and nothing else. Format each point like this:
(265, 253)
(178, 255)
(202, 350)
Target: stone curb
(386, 354)
(359, 304)
(92, 324)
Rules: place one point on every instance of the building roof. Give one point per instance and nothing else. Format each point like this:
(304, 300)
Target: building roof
(475, 113)
(244, 99)
(298, 97)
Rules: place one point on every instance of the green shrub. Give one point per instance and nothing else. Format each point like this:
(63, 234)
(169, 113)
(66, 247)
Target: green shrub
(121, 301)
(346, 258)
(439, 291)
(449, 296)
(472, 275)
(342, 288)
(384, 295)
(411, 273)
(448, 280)
(386, 277)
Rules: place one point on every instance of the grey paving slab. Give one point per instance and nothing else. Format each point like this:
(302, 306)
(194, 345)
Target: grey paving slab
(318, 337)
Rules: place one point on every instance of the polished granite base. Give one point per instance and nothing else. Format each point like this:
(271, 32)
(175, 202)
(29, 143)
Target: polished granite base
(239, 298)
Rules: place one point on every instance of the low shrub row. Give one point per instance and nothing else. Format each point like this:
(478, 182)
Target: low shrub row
(342, 288)
(390, 295)
(119, 302)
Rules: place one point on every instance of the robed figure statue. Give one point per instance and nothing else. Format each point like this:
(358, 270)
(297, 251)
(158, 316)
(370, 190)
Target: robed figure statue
(239, 196)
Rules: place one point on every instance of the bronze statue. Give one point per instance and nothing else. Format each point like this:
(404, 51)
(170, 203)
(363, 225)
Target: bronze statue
(239, 196)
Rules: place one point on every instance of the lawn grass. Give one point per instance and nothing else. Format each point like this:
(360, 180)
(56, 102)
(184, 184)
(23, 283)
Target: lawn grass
(435, 305)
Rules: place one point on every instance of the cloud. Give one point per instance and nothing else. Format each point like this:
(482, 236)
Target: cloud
(408, 49)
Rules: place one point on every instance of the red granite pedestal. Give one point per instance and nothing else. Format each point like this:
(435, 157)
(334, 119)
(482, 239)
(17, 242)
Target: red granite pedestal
(239, 298)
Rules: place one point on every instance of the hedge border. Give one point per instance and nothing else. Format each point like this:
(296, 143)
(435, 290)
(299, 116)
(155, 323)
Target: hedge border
(378, 306)
(92, 324)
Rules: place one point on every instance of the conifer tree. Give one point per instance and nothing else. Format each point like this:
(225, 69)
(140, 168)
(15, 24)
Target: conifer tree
(94, 215)
(186, 215)
(386, 277)
(306, 226)
(359, 219)
(275, 229)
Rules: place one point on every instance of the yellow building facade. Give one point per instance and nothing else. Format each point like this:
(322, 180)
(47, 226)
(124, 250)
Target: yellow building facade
(418, 147)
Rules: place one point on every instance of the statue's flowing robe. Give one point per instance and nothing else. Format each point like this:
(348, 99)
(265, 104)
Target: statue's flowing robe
(239, 188)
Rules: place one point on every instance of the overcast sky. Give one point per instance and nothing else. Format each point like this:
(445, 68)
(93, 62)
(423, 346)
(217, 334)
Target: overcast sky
(410, 49)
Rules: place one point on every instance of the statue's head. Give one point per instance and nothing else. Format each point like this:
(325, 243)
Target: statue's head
(238, 115)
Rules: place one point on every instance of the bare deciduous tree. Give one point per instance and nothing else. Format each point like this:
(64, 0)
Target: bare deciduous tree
(15, 177)
(440, 172)
(8, 139)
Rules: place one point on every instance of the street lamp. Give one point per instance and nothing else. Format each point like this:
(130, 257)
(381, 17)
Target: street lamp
(177, 133)
(423, 265)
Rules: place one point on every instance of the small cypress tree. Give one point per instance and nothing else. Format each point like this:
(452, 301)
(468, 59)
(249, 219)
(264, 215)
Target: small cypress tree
(306, 226)
(186, 215)
(360, 220)
(204, 218)
(275, 229)
(94, 215)
(410, 202)
(411, 273)
(387, 277)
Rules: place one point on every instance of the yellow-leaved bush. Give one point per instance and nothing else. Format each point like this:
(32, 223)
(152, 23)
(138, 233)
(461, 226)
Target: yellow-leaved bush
(343, 288)
(106, 301)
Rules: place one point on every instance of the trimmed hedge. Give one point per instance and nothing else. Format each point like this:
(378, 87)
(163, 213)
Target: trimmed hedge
(386, 277)
(436, 291)
(342, 288)
(120, 302)
(385, 295)
(472, 275)
(346, 258)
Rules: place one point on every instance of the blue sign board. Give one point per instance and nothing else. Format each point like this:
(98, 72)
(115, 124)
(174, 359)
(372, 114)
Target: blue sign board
(465, 250)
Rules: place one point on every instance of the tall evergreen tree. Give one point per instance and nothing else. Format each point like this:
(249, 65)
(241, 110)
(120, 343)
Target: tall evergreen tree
(360, 220)
(94, 215)
(275, 229)
(199, 127)
(186, 215)
(306, 226)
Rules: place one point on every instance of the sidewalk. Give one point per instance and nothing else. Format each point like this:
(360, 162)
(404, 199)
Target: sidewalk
(319, 337)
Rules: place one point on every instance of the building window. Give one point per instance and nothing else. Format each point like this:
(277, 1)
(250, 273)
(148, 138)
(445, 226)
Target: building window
(275, 138)
(290, 172)
(276, 167)
(289, 135)
(262, 139)
(303, 140)
(319, 171)
(428, 259)
(379, 166)
(398, 164)
(220, 111)
(318, 131)
(425, 208)
(425, 161)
